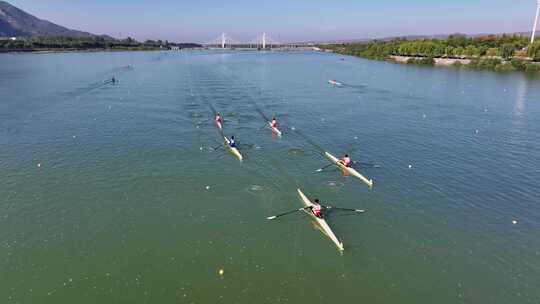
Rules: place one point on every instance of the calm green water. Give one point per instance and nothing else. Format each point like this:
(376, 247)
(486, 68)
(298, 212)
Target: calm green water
(104, 198)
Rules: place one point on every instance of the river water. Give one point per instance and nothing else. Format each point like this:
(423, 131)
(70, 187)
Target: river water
(122, 193)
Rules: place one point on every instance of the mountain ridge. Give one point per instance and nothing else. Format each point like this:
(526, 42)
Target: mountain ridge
(14, 22)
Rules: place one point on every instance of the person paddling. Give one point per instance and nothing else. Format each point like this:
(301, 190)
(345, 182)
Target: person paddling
(346, 161)
(232, 142)
(317, 209)
(274, 123)
(219, 120)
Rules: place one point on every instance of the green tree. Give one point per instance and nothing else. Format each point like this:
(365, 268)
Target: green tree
(492, 52)
(470, 51)
(507, 51)
(534, 51)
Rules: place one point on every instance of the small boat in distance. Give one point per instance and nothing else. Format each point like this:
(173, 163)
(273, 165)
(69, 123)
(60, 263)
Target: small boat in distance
(335, 82)
(274, 129)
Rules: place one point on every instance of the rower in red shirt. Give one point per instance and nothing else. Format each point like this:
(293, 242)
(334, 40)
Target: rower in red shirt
(218, 120)
(317, 209)
(346, 161)
(273, 123)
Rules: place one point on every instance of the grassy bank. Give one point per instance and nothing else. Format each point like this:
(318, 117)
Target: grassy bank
(498, 53)
(97, 43)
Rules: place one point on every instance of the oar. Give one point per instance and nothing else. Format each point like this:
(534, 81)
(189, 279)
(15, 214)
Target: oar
(346, 209)
(321, 169)
(286, 213)
(366, 164)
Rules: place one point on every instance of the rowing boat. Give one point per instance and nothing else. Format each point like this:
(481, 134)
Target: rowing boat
(349, 170)
(233, 149)
(218, 124)
(274, 129)
(334, 83)
(322, 223)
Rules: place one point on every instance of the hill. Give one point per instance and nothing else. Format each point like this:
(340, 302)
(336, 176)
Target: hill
(15, 22)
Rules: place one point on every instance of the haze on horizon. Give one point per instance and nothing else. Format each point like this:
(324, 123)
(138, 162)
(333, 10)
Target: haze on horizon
(285, 21)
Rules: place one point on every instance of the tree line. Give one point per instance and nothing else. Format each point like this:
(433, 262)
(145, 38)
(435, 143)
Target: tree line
(505, 52)
(86, 43)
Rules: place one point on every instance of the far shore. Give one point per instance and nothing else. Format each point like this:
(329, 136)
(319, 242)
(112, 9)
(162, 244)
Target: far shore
(47, 51)
(437, 61)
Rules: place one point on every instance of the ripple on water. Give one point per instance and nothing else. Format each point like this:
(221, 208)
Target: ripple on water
(255, 189)
(296, 151)
(334, 184)
(194, 115)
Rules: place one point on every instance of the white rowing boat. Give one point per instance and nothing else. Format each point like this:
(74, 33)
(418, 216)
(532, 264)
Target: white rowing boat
(334, 83)
(349, 170)
(322, 223)
(274, 129)
(233, 150)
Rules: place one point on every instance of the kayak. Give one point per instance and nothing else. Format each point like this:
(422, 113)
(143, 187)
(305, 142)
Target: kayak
(322, 223)
(349, 170)
(333, 82)
(233, 150)
(275, 130)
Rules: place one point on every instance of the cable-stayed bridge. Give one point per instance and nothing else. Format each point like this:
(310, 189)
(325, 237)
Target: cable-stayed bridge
(261, 42)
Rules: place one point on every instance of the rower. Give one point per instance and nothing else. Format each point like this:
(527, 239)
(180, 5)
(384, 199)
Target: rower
(232, 142)
(346, 161)
(113, 80)
(273, 123)
(317, 209)
(218, 118)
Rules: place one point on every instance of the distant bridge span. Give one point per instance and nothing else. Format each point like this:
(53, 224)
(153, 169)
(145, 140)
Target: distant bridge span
(263, 41)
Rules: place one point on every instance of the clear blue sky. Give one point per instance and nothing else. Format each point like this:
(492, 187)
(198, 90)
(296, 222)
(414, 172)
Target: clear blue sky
(283, 20)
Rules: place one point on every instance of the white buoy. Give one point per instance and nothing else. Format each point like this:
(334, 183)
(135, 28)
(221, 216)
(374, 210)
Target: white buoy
(221, 272)
(410, 166)
(476, 131)
(207, 187)
(39, 165)
(514, 222)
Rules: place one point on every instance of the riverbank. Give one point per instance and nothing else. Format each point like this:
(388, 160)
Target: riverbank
(490, 63)
(73, 50)
(436, 61)
(484, 63)
(92, 44)
(498, 53)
